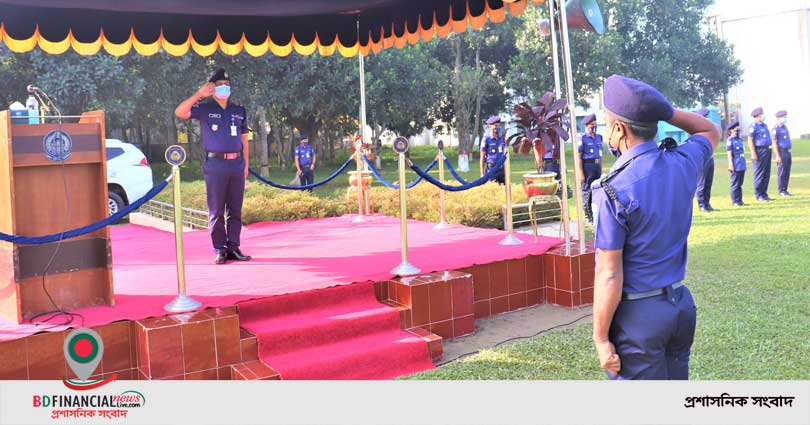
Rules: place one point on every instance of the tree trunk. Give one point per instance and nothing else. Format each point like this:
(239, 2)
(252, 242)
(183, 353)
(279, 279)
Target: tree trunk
(264, 160)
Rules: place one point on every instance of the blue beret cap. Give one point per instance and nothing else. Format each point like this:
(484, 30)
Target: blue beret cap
(219, 75)
(781, 114)
(756, 112)
(303, 137)
(732, 125)
(704, 112)
(589, 119)
(636, 102)
(493, 120)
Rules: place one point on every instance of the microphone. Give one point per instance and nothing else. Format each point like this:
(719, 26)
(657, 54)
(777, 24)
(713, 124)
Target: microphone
(32, 88)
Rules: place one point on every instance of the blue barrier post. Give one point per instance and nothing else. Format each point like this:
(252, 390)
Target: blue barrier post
(404, 268)
(176, 155)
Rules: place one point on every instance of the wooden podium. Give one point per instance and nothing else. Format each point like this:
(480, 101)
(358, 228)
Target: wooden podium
(42, 193)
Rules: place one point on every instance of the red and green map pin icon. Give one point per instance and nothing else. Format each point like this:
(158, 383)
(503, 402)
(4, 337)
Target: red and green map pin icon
(83, 351)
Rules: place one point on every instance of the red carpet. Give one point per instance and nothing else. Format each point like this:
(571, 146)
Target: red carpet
(336, 333)
(288, 257)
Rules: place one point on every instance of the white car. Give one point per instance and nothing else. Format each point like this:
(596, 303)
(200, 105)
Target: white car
(129, 176)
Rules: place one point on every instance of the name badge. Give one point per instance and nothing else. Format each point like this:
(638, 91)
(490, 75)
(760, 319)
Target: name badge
(214, 127)
(233, 130)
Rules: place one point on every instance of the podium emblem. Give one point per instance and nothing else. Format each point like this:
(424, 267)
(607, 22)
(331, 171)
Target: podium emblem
(401, 145)
(57, 145)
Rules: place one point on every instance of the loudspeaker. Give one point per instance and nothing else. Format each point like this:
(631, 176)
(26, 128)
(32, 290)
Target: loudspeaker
(581, 14)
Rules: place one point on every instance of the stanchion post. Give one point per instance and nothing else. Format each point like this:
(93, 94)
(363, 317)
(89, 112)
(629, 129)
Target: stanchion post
(510, 238)
(358, 151)
(176, 156)
(442, 214)
(404, 268)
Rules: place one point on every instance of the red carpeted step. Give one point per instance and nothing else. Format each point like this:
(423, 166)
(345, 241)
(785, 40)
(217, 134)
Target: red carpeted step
(341, 332)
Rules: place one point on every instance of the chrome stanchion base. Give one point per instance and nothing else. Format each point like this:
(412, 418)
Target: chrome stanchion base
(441, 225)
(360, 218)
(510, 239)
(404, 269)
(182, 304)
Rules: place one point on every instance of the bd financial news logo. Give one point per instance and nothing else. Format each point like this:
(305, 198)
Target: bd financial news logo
(83, 350)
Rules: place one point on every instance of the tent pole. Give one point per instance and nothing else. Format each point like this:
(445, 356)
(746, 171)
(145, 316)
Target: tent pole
(565, 217)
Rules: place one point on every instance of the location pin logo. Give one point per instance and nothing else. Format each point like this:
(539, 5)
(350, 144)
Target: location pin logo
(83, 350)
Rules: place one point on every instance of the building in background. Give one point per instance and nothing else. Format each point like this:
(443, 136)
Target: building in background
(772, 41)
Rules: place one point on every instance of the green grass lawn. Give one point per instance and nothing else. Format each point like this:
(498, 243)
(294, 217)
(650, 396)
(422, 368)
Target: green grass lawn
(749, 271)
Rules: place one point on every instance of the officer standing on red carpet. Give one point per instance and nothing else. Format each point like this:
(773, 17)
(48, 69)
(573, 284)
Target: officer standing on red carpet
(644, 316)
(224, 130)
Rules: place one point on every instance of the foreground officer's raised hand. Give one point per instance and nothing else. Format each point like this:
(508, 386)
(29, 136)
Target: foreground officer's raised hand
(608, 359)
(206, 90)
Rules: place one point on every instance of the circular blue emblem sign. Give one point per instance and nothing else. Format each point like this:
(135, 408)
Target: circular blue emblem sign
(401, 145)
(441, 145)
(57, 145)
(175, 155)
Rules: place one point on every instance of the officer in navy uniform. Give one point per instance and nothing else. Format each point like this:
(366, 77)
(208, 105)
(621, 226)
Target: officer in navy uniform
(705, 177)
(644, 317)
(783, 158)
(223, 126)
(493, 148)
(590, 154)
(736, 162)
(759, 141)
(305, 161)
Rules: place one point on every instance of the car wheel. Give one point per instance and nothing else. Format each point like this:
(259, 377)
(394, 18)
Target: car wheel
(115, 203)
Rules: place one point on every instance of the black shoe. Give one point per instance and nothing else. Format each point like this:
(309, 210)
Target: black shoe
(704, 209)
(739, 204)
(222, 257)
(765, 199)
(236, 254)
(786, 193)
(710, 208)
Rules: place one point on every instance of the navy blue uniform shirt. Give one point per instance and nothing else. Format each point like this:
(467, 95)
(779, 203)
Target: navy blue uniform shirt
(736, 146)
(221, 129)
(657, 190)
(494, 149)
(304, 154)
(590, 147)
(782, 136)
(760, 133)
(551, 153)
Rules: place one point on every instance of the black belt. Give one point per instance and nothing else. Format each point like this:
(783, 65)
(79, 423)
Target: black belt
(784, 149)
(762, 147)
(590, 161)
(547, 160)
(647, 294)
(224, 155)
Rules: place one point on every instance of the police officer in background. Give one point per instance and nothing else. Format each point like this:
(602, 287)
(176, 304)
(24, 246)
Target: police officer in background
(643, 315)
(493, 148)
(705, 177)
(590, 153)
(305, 161)
(736, 162)
(224, 131)
(783, 158)
(759, 140)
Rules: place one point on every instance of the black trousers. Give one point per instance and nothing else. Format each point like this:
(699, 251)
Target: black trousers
(783, 170)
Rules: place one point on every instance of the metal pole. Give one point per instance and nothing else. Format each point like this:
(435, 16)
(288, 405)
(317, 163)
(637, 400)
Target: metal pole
(183, 302)
(360, 187)
(442, 217)
(404, 268)
(569, 84)
(565, 217)
(510, 238)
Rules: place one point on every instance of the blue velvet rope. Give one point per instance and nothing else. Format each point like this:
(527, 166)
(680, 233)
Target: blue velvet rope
(469, 185)
(388, 184)
(453, 171)
(37, 240)
(307, 186)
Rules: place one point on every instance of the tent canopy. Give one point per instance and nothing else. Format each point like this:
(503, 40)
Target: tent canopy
(254, 26)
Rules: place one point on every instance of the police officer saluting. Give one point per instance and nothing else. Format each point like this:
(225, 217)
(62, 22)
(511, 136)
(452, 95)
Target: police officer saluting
(590, 152)
(305, 161)
(736, 162)
(644, 318)
(759, 140)
(223, 126)
(493, 148)
(705, 177)
(783, 158)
